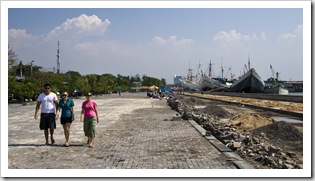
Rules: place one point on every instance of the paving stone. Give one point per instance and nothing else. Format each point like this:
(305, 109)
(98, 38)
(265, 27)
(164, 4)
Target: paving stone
(123, 140)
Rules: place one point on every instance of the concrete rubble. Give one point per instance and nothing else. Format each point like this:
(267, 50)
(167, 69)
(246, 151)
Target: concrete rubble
(246, 144)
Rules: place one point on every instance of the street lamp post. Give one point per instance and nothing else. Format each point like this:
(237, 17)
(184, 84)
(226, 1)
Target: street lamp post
(31, 62)
(32, 67)
(21, 69)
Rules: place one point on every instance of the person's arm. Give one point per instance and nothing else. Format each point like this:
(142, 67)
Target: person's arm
(82, 115)
(96, 113)
(56, 104)
(36, 109)
(57, 108)
(72, 111)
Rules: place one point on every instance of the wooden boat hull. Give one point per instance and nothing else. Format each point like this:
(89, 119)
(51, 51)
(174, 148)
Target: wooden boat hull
(206, 84)
(250, 82)
(189, 86)
(276, 89)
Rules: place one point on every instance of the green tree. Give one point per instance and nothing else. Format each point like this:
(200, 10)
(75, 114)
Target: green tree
(12, 62)
(163, 82)
(123, 82)
(82, 85)
(149, 81)
(109, 82)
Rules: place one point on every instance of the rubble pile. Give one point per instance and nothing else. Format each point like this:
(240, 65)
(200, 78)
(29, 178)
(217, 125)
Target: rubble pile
(252, 136)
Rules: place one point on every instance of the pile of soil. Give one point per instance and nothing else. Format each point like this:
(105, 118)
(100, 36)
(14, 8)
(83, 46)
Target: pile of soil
(282, 134)
(248, 121)
(217, 111)
(280, 131)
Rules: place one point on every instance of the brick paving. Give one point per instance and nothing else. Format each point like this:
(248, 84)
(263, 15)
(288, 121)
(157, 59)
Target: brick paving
(134, 132)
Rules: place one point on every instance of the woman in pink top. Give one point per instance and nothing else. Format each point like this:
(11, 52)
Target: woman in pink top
(89, 112)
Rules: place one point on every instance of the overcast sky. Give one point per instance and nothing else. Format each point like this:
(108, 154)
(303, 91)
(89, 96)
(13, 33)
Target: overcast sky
(160, 42)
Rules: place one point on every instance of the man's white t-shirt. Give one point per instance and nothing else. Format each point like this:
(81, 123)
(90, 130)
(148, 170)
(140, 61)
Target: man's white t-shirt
(47, 102)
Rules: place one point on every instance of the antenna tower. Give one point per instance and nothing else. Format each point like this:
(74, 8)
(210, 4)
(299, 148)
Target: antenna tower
(58, 62)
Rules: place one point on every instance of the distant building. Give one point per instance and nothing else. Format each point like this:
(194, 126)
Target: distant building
(294, 86)
(177, 80)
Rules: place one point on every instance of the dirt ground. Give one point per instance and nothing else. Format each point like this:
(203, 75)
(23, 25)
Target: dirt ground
(282, 105)
(278, 133)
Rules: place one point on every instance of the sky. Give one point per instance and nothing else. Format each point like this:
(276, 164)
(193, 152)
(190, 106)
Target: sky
(160, 42)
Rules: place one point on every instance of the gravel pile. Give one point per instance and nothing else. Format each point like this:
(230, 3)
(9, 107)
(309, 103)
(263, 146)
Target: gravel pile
(280, 131)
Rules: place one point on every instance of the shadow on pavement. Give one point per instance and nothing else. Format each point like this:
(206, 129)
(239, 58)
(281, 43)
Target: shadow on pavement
(55, 145)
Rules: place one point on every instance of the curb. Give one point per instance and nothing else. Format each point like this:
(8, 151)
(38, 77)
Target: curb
(233, 157)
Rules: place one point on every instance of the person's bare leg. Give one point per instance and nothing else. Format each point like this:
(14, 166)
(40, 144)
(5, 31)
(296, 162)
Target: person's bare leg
(46, 136)
(67, 132)
(52, 135)
(90, 141)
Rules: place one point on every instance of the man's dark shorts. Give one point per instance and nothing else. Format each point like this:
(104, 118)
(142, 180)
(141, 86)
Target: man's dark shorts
(47, 120)
(66, 120)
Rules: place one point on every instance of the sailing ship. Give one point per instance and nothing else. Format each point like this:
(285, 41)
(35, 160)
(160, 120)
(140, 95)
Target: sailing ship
(207, 83)
(190, 83)
(274, 86)
(250, 82)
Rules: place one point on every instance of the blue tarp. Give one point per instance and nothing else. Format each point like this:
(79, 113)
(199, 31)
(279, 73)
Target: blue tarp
(166, 90)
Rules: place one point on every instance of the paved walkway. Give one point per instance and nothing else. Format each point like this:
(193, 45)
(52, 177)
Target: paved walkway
(134, 132)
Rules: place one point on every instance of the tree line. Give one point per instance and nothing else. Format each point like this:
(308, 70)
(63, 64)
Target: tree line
(26, 81)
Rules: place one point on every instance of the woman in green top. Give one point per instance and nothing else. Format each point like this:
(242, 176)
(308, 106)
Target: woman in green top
(66, 104)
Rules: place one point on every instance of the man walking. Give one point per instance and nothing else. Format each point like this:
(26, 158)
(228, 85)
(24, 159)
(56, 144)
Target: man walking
(49, 102)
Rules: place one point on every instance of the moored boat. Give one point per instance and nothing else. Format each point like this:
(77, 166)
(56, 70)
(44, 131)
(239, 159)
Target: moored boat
(276, 89)
(250, 82)
(189, 86)
(190, 83)
(207, 83)
(274, 86)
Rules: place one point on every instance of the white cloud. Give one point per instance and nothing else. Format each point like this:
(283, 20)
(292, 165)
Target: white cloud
(20, 38)
(80, 27)
(172, 41)
(235, 37)
(287, 36)
(103, 49)
(297, 32)
(18, 34)
(263, 36)
(88, 48)
(159, 41)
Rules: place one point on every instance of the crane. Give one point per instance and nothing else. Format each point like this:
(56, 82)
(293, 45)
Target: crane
(227, 72)
(275, 79)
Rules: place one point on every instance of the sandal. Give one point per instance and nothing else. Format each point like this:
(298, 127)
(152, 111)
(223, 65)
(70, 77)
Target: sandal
(52, 141)
(46, 144)
(66, 145)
